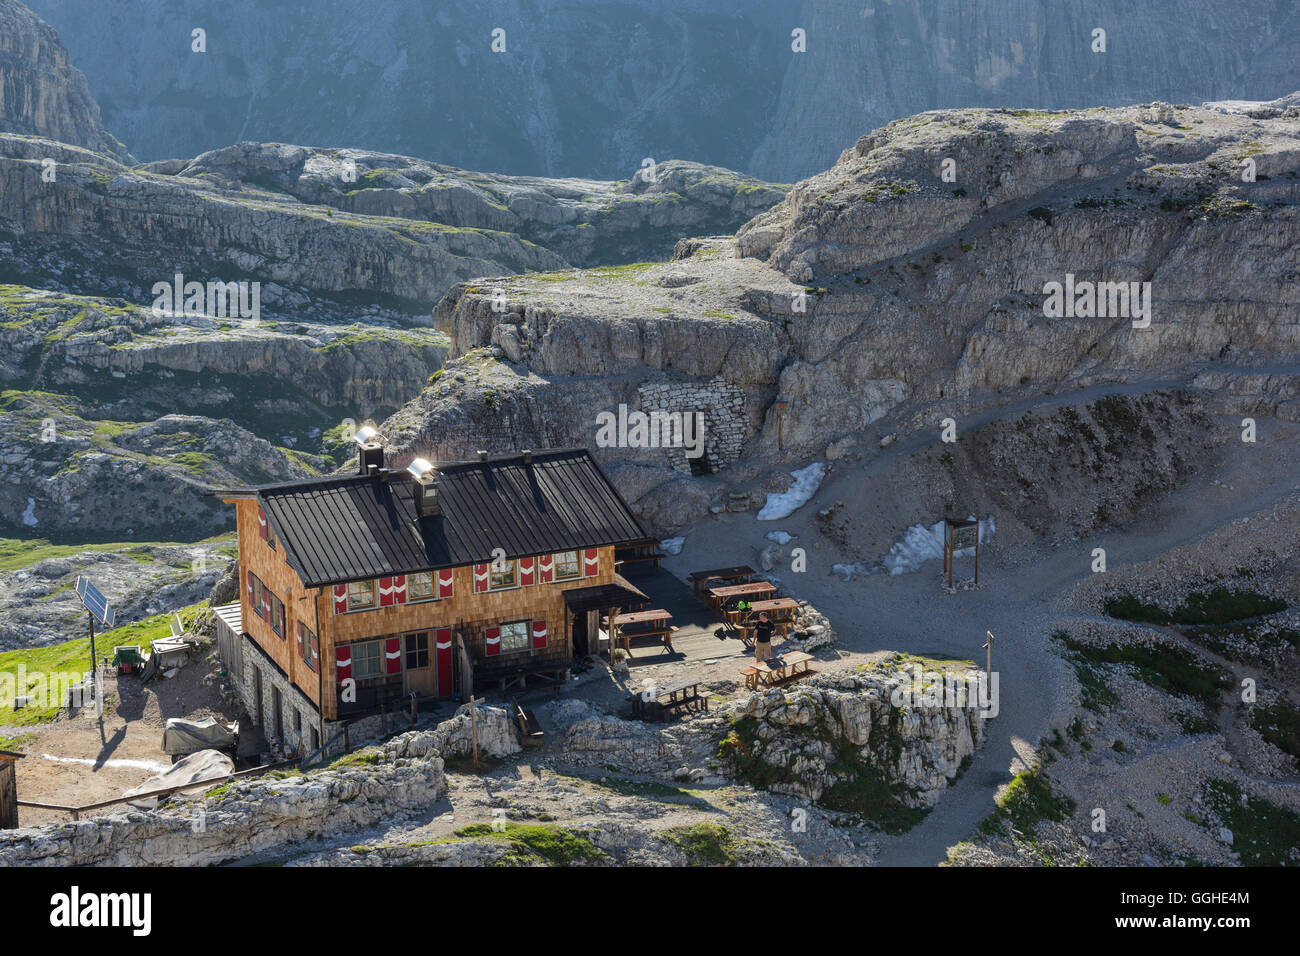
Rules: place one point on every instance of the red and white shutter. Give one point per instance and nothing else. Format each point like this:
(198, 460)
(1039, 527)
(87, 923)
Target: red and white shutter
(266, 602)
(314, 663)
(393, 655)
(445, 581)
(340, 599)
(251, 593)
(492, 641)
(546, 568)
(399, 588)
(480, 578)
(527, 571)
(386, 592)
(539, 635)
(301, 649)
(590, 562)
(343, 661)
(442, 659)
(261, 523)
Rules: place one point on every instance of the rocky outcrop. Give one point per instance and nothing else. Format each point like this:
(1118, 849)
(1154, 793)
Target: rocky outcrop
(584, 221)
(41, 93)
(819, 739)
(245, 817)
(880, 295)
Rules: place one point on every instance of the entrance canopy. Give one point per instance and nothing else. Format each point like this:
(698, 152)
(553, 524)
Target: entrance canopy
(620, 593)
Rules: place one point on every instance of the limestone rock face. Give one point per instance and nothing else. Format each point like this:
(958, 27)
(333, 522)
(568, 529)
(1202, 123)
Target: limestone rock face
(894, 290)
(715, 80)
(41, 93)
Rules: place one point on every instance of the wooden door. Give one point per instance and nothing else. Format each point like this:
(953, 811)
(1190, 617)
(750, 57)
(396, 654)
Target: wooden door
(442, 644)
(419, 665)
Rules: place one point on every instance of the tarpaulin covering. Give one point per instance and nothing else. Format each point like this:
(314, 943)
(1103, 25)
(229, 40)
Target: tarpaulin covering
(189, 736)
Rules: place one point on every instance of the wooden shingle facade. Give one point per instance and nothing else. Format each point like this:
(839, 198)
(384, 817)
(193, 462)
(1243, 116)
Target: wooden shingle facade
(359, 593)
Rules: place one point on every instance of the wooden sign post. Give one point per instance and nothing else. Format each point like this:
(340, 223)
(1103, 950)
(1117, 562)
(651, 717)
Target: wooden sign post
(473, 724)
(957, 536)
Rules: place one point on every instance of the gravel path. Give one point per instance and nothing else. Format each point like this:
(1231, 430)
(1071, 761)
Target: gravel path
(1022, 599)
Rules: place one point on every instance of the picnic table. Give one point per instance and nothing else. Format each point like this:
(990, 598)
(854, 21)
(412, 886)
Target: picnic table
(701, 579)
(661, 702)
(756, 589)
(785, 667)
(640, 551)
(656, 618)
(779, 610)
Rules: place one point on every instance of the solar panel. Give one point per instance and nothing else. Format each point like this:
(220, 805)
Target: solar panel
(95, 602)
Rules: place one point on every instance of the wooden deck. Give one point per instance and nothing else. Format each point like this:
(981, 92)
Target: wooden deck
(701, 633)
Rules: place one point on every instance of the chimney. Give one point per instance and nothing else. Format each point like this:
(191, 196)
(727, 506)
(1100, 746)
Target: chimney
(426, 488)
(528, 456)
(482, 455)
(370, 457)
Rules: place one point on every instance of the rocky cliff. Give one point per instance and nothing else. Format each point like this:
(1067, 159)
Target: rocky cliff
(909, 283)
(586, 88)
(41, 93)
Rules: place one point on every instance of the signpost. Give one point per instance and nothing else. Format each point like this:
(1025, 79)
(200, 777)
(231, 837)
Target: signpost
(957, 536)
(97, 609)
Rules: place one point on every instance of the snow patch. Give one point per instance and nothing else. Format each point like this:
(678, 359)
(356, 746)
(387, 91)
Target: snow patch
(920, 544)
(673, 545)
(29, 516)
(780, 537)
(806, 482)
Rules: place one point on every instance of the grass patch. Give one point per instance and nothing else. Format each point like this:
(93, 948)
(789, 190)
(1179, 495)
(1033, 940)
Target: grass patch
(1028, 800)
(1222, 605)
(73, 657)
(529, 843)
(1163, 666)
(1262, 832)
(1279, 724)
(365, 757)
(704, 844)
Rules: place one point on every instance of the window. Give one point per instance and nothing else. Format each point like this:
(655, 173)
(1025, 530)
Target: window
(417, 650)
(568, 564)
(515, 637)
(257, 595)
(368, 660)
(277, 614)
(307, 646)
(503, 575)
(361, 594)
(419, 587)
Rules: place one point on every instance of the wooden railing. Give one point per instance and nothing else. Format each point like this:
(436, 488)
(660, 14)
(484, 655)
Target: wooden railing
(164, 792)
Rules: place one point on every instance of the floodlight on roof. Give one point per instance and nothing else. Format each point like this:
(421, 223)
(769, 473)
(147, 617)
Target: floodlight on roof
(368, 434)
(426, 487)
(420, 468)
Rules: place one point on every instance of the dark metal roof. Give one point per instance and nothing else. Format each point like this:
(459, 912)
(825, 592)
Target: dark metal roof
(348, 528)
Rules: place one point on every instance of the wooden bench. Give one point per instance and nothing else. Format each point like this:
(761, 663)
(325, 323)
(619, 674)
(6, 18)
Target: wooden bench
(785, 667)
(530, 728)
(633, 554)
(651, 623)
(700, 579)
